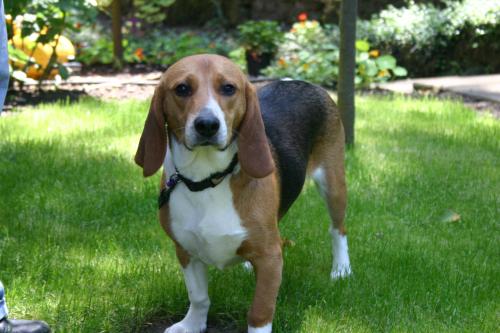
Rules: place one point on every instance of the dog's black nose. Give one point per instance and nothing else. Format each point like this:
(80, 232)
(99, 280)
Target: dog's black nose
(206, 126)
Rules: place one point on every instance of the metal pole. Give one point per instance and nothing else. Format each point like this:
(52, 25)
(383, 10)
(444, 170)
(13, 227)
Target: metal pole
(347, 67)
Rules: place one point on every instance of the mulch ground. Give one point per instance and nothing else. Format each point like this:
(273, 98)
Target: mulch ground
(135, 84)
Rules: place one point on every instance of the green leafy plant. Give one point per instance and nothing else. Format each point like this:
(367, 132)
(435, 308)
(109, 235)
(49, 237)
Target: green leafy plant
(35, 28)
(260, 36)
(165, 49)
(152, 11)
(307, 54)
(238, 57)
(371, 67)
(458, 38)
(161, 48)
(99, 52)
(311, 52)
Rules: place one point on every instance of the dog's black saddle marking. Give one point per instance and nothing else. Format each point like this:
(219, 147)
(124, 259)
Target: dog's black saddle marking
(294, 114)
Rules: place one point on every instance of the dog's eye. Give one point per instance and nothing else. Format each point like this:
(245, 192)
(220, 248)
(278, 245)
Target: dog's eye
(227, 89)
(183, 90)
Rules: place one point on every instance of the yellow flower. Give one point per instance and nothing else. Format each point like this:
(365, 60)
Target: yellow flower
(374, 53)
(383, 73)
(305, 67)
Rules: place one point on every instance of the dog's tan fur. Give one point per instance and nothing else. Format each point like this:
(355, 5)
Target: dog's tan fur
(255, 188)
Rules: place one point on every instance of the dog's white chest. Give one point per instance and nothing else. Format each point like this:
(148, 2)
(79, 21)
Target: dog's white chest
(206, 223)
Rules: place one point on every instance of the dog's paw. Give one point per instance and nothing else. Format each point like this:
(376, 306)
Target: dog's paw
(340, 272)
(182, 327)
(264, 329)
(247, 266)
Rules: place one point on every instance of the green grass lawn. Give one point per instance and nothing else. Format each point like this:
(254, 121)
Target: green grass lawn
(81, 248)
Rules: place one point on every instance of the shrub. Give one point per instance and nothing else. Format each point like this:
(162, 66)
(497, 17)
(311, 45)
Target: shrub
(260, 36)
(160, 48)
(310, 52)
(238, 57)
(260, 40)
(429, 40)
(37, 47)
(152, 11)
(166, 49)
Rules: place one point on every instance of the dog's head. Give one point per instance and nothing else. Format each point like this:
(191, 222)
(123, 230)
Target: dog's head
(205, 100)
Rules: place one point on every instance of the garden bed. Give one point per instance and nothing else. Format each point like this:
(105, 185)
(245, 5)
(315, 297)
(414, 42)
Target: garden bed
(105, 85)
(136, 85)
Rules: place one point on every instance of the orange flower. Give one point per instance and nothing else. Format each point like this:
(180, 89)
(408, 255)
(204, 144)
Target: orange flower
(302, 17)
(282, 62)
(374, 53)
(139, 53)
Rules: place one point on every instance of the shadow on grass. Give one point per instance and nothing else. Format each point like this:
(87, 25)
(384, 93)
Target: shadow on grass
(82, 229)
(16, 98)
(411, 271)
(78, 218)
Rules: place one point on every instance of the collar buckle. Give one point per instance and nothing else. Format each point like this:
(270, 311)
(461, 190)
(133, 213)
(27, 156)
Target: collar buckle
(173, 180)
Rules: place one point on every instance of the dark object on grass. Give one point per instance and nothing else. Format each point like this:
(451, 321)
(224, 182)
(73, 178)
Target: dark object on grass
(23, 326)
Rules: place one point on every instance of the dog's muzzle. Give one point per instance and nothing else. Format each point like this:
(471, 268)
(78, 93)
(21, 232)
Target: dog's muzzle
(206, 126)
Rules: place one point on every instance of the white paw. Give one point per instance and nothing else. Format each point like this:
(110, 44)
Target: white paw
(182, 327)
(247, 266)
(340, 271)
(341, 265)
(264, 329)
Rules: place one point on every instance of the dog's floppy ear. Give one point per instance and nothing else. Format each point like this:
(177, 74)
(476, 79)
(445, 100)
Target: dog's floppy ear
(253, 148)
(153, 143)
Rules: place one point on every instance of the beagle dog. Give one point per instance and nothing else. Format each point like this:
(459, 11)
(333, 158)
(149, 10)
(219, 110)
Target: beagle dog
(234, 161)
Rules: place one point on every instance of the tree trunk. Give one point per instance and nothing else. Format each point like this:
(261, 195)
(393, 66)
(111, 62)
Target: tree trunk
(231, 10)
(116, 22)
(347, 67)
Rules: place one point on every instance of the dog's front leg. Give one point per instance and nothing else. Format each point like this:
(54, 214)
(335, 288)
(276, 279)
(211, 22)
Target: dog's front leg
(268, 279)
(195, 321)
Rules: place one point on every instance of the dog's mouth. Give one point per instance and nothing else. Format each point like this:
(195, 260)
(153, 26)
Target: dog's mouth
(207, 142)
(220, 146)
(220, 142)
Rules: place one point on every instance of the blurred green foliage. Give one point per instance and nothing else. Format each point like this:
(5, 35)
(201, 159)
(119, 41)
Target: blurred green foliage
(153, 11)
(32, 25)
(311, 52)
(260, 36)
(161, 47)
(428, 40)
(458, 37)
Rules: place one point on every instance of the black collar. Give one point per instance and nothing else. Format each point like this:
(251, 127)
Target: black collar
(211, 181)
